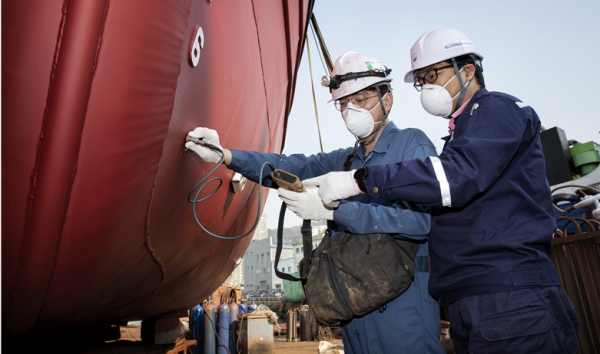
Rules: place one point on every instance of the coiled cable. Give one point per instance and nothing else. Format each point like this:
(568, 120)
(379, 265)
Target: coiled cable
(201, 184)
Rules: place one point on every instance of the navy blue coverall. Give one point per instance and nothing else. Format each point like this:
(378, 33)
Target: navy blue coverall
(490, 238)
(411, 322)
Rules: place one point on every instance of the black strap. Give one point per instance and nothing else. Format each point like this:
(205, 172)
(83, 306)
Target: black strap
(348, 162)
(280, 245)
(306, 231)
(347, 166)
(306, 234)
(307, 245)
(337, 80)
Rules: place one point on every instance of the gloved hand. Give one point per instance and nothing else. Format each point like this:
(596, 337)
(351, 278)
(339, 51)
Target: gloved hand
(208, 136)
(307, 205)
(334, 187)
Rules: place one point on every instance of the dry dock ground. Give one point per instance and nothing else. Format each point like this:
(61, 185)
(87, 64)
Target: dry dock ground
(130, 343)
(281, 345)
(284, 347)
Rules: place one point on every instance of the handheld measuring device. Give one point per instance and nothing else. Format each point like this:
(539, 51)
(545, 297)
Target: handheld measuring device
(287, 181)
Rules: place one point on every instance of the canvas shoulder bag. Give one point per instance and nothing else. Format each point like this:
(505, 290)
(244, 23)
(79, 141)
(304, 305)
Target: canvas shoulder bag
(350, 275)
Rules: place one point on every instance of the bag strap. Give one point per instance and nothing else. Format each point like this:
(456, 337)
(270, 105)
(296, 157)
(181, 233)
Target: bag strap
(351, 157)
(306, 231)
(307, 245)
(282, 275)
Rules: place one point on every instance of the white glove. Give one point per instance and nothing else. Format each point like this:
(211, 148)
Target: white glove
(208, 136)
(307, 205)
(334, 187)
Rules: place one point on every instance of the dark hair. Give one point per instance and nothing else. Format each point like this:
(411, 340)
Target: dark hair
(384, 87)
(463, 60)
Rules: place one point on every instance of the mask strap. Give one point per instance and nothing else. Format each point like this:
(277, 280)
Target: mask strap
(385, 116)
(374, 133)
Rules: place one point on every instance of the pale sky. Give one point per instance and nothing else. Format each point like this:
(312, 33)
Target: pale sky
(544, 52)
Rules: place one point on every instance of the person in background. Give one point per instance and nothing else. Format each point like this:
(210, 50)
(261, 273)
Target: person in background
(492, 221)
(361, 91)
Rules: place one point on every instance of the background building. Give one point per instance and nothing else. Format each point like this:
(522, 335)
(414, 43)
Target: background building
(236, 277)
(261, 229)
(259, 275)
(256, 273)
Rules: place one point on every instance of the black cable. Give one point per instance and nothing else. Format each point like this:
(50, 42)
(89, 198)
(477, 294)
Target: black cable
(220, 180)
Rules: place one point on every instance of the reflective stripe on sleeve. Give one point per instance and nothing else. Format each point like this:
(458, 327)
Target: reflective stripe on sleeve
(441, 177)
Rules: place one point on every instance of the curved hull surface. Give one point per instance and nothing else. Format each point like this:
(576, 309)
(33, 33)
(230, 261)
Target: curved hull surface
(97, 98)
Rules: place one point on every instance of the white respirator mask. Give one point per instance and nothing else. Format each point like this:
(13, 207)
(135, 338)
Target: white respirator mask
(359, 121)
(436, 100)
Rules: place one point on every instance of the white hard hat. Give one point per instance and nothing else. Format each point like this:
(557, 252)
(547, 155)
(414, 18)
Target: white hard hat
(437, 45)
(353, 72)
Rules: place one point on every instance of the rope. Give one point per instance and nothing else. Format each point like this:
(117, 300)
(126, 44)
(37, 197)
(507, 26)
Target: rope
(324, 333)
(321, 55)
(313, 94)
(322, 43)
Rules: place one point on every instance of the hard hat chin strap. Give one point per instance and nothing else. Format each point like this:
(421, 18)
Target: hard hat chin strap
(463, 87)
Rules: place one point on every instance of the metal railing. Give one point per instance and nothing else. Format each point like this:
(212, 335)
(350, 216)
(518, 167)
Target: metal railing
(577, 259)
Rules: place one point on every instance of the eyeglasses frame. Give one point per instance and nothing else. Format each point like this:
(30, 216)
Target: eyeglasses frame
(419, 86)
(338, 102)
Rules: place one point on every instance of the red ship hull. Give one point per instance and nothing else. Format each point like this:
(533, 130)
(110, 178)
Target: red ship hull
(97, 98)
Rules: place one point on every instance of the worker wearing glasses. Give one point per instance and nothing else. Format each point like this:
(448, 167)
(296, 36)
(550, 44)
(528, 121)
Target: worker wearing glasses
(492, 216)
(360, 88)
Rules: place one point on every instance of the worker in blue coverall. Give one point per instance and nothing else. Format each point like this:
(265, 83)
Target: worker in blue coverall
(492, 221)
(409, 323)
